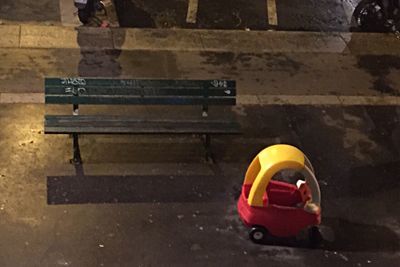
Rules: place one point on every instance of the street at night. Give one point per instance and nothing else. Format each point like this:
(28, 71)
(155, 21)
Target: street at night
(303, 76)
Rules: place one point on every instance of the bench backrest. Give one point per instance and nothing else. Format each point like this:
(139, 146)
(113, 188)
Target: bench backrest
(80, 91)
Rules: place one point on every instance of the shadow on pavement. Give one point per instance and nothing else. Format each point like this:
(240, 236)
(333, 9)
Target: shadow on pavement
(351, 236)
(130, 15)
(97, 59)
(84, 189)
(372, 179)
(380, 67)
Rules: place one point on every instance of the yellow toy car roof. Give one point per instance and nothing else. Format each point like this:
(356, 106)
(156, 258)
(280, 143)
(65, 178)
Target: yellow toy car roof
(266, 164)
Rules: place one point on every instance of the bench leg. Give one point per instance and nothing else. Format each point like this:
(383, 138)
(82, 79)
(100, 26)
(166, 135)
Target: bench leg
(207, 146)
(77, 153)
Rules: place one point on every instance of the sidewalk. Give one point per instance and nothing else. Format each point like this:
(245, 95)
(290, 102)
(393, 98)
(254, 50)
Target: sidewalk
(269, 67)
(153, 201)
(57, 37)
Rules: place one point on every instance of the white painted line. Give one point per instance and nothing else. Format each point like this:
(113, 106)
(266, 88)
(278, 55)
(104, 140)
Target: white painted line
(14, 98)
(68, 13)
(193, 6)
(272, 15)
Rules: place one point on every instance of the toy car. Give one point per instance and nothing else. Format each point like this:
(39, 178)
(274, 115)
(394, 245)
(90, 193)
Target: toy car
(279, 208)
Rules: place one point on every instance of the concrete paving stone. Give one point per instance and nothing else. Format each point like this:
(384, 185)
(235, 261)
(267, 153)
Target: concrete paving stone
(21, 98)
(367, 100)
(200, 40)
(302, 42)
(10, 35)
(48, 37)
(65, 37)
(183, 40)
(298, 100)
(247, 100)
(256, 73)
(94, 38)
(372, 43)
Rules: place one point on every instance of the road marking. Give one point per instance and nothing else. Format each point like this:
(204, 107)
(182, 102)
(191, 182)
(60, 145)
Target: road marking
(272, 15)
(192, 11)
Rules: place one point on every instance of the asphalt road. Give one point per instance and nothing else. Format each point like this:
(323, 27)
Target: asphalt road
(305, 15)
(29, 11)
(290, 15)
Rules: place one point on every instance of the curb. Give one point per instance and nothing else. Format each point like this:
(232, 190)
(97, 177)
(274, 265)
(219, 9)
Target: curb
(64, 37)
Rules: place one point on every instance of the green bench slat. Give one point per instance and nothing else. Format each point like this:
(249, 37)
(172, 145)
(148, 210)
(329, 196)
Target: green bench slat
(123, 100)
(139, 83)
(140, 91)
(86, 124)
(165, 91)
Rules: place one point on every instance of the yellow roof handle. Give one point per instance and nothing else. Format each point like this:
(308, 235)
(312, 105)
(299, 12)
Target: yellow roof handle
(266, 164)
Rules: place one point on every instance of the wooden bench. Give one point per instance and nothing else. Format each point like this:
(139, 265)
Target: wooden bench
(99, 91)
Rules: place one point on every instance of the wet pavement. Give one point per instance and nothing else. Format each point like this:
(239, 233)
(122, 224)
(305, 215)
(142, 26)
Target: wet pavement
(292, 15)
(304, 15)
(153, 200)
(256, 73)
(146, 201)
(313, 15)
(38, 11)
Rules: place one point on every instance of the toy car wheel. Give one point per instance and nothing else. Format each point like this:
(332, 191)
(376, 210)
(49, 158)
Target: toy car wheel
(258, 234)
(314, 236)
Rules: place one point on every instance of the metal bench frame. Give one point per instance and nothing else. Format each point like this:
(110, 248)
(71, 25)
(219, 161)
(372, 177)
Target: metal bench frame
(100, 91)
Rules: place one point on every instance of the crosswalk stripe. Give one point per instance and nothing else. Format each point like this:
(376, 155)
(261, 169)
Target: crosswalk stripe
(192, 11)
(272, 15)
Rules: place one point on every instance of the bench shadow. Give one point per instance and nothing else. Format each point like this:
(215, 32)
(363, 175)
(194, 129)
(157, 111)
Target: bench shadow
(101, 189)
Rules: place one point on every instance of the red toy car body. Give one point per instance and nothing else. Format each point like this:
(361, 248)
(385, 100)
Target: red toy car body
(280, 209)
